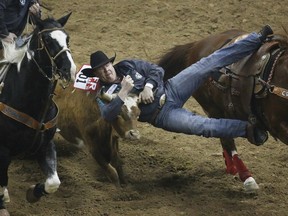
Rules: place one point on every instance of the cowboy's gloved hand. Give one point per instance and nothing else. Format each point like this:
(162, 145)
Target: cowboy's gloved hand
(35, 9)
(9, 38)
(127, 85)
(146, 96)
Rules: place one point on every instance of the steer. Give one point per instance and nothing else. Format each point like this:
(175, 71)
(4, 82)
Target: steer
(80, 123)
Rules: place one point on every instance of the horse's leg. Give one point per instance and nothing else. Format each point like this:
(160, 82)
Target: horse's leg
(234, 164)
(48, 163)
(230, 166)
(5, 161)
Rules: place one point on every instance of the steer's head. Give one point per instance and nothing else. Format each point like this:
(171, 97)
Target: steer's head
(126, 123)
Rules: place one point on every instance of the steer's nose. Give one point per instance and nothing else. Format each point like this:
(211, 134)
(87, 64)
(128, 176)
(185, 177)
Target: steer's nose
(132, 134)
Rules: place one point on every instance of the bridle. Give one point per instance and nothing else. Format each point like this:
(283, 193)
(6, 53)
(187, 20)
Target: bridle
(42, 46)
(279, 91)
(53, 80)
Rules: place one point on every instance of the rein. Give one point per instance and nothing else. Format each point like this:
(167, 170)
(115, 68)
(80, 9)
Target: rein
(55, 76)
(43, 45)
(39, 126)
(26, 119)
(53, 79)
(281, 92)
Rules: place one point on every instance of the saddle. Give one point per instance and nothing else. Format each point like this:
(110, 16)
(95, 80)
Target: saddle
(20, 42)
(241, 78)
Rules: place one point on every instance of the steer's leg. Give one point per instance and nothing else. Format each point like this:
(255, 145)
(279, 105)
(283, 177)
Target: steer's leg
(116, 159)
(109, 170)
(104, 162)
(99, 138)
(48, 163)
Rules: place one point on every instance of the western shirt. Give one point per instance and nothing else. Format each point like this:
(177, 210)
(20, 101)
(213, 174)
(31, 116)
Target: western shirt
(13, 16)
(142, 73)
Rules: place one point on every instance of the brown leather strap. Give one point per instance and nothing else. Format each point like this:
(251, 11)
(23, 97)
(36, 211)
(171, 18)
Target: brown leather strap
(280, 92)
(26, 119)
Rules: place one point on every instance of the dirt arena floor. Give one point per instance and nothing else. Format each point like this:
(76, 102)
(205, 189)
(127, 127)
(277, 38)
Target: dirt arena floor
(168, 174)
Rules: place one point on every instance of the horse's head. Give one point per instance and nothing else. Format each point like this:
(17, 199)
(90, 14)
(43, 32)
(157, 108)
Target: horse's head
(275, 103)
(126, 122)
(50, 48)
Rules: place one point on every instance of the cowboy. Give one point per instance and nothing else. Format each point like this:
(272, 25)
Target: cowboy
(147, 79)
(14, 17)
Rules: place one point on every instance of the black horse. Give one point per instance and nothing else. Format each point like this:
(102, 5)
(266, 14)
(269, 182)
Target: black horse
(27, 112)
(254, 89)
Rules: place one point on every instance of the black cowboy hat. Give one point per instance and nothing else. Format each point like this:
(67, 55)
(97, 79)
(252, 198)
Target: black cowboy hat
(97, 60)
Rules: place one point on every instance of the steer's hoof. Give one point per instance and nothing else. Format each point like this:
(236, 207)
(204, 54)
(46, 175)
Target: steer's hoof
(30, 197)
(250, 185)
(4, 212)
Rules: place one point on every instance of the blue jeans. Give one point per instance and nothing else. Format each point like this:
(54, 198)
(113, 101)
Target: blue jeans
(179, 89)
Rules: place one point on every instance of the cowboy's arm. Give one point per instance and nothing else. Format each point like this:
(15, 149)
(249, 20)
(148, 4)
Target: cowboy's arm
(153, 78)
(35, 8)
(153, 73)
(111, 110)
(3, 29)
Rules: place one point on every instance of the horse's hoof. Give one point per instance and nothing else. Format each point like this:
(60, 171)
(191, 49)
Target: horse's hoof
(30, 197)
(4, 212)
(250, 185)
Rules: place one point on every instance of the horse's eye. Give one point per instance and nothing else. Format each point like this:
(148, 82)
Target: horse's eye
(46, 40)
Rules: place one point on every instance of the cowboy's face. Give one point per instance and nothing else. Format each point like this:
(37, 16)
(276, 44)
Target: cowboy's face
(106, 73)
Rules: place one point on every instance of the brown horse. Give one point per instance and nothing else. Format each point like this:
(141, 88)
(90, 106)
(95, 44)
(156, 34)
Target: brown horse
(254, 89)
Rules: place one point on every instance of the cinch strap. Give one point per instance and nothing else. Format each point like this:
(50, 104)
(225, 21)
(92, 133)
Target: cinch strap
(26, 119)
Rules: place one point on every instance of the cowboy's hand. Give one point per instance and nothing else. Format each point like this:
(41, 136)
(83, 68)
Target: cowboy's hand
(35, 9)
(146, 96)
(127, 85)
(9, 38)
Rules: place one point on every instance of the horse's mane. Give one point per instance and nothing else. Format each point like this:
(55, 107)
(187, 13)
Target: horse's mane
(174, 60)
(281, 39)
(175, 55)
(178, 50)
